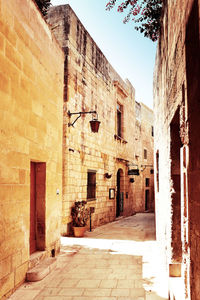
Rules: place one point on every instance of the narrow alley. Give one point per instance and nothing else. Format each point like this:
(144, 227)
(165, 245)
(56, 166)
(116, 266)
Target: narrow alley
(119, 261)
(79, 140)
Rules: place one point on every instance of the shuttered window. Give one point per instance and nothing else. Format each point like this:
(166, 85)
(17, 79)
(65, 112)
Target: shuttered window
(145, 153)
(119, 120)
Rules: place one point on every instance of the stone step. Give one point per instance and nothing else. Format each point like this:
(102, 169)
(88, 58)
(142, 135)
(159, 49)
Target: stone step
(41, 270)
(36, 258)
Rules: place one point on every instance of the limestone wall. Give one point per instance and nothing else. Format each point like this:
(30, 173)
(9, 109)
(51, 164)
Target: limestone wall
(176, 104)
(92, 84)
(144, 141)
(31, 95)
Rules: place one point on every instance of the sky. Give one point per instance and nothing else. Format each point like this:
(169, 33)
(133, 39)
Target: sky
(128, 51)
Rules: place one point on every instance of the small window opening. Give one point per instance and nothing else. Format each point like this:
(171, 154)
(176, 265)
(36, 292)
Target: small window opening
(119, 120)
(91, 185)
(152, 131)
(145, 153)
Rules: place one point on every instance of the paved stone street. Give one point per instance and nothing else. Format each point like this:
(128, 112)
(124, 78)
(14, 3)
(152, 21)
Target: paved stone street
(118, 261)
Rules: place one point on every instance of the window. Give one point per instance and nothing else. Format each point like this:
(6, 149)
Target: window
(91, 185)
(147, 182)
(119, 120)
(138, 111)
(152, 131)
(157, 170)
(145, 153)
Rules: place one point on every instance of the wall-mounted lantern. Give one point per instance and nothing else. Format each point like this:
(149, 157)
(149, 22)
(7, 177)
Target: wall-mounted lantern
(94, 123)
(107, 175)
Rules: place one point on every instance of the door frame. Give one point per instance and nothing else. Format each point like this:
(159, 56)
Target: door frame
(38, 204)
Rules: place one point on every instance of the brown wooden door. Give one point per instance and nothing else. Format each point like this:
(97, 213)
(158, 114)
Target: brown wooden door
(33, 208)
(118, 195)
(147, 200)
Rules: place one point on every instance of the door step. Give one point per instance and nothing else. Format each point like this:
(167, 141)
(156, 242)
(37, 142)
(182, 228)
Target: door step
(41, 270)
(119, 218)
(36, 258)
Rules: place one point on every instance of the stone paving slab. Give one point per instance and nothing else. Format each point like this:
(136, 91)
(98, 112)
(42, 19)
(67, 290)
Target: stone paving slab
(102, 268)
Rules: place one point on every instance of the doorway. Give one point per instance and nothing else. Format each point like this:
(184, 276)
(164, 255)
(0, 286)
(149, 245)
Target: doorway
(191, 174)
(37, 206)
(120, 194)
(33, 208)
(175, 148)
(146, 200)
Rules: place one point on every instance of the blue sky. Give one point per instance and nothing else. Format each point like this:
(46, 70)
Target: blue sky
(130, 54)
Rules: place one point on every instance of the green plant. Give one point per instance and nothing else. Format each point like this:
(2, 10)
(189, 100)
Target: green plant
(80, 214)
(145, 13)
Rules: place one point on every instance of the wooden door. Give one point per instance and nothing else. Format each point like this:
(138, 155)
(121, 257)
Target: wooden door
(118, 195)
(146, 199)
(33, 208)
(121, 202)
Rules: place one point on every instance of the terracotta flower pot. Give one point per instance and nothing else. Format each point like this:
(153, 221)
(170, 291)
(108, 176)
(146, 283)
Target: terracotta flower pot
(79, 231)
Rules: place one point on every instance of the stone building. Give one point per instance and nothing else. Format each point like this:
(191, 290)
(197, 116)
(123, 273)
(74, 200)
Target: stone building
(177, 149)
(97, 167)
(144, 145)
(31, 97)
(47, 164)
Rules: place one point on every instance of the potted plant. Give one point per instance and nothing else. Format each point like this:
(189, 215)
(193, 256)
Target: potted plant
(80, 214)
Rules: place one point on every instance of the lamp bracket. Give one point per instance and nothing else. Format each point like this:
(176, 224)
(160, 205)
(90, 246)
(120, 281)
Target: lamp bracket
(144, 166)
(79, 113)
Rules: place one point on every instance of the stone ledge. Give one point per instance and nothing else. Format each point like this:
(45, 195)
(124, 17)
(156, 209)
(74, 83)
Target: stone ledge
(41, 270)
(36, 258)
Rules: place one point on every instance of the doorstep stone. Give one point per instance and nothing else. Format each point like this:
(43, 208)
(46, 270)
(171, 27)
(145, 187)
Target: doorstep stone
(41, 270)
(36, 258)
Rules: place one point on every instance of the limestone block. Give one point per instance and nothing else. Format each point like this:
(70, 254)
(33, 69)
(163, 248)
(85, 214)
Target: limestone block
(13, 56)
(5, 267)
(4, 83)
(16, 260)
(20, 273)
(7, 284)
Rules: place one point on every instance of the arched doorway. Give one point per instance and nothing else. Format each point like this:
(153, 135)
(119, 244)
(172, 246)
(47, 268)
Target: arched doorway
(120, 194)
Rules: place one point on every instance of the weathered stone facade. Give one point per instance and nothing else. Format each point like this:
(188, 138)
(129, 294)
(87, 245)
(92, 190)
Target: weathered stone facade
(177, 110)
(31, 98)
(92, 84)
(144, 145)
